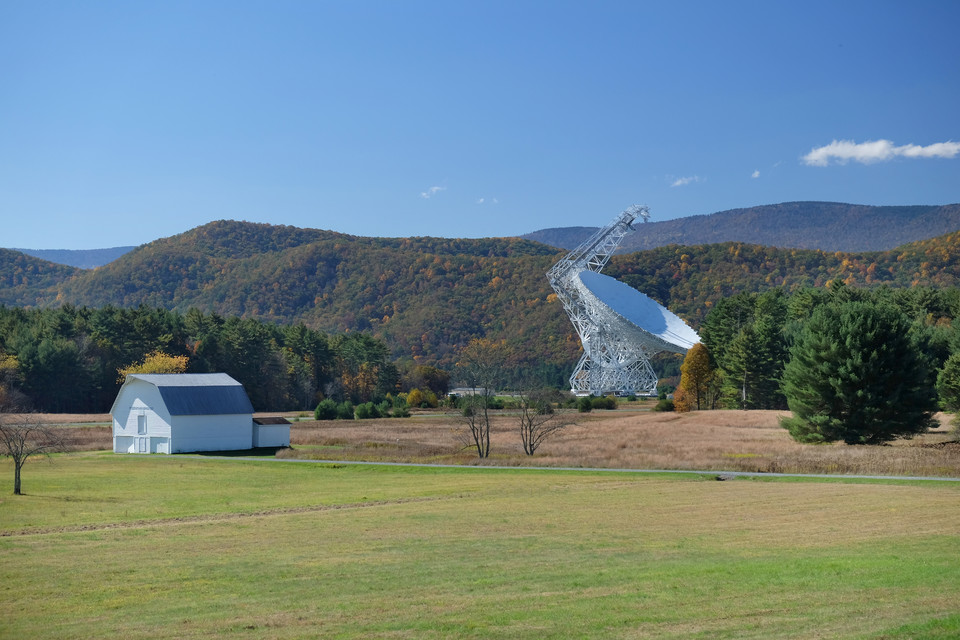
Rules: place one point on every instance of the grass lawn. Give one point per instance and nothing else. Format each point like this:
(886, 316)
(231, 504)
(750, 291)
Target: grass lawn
(181, 547)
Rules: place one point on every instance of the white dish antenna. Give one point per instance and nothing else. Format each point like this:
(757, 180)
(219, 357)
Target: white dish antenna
(619, 327)
(632, 312)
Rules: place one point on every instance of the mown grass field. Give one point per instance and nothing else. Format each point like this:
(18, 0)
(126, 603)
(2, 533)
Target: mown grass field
(184, 547)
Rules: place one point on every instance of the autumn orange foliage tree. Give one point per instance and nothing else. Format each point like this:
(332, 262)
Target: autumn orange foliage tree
(681, 401)
(696, 378)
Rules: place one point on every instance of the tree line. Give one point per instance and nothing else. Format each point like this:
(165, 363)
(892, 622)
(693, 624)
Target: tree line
(853, 364)
(69, 359)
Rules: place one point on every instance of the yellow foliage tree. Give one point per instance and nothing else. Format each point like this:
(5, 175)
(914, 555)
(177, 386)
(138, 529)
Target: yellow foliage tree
(10, 377)
(695, 378)
(156, 362)
(414, 398)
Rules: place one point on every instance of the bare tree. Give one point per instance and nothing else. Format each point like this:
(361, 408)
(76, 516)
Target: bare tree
(481, 366)
(538, 418)
(23, 435)
(475, 414)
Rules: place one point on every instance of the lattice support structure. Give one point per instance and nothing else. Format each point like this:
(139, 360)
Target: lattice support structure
(612, 362)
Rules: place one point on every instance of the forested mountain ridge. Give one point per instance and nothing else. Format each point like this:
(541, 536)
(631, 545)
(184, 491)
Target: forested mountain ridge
(28, 281)
(426, 297)
(692, 278)
(828, 226)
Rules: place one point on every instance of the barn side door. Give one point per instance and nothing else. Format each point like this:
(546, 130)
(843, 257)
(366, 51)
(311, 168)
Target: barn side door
(143, 440)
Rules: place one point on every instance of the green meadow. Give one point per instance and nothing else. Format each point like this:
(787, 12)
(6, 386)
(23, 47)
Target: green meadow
(188, 547)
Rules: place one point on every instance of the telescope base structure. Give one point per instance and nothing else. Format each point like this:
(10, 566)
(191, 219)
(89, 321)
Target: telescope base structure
(611, 366)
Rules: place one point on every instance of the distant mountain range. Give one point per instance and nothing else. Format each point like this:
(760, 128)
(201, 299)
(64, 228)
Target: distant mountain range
(81, 258)
(828, 226)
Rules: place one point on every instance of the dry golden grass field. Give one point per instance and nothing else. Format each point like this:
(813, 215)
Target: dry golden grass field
(630, 438)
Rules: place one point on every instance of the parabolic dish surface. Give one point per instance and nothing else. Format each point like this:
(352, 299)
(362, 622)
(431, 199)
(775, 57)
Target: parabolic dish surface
(668, 331)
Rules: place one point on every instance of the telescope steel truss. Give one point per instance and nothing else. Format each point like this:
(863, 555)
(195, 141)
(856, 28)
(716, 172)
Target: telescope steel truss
(614, 360)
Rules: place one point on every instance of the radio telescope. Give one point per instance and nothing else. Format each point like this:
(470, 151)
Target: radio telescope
(619, 327)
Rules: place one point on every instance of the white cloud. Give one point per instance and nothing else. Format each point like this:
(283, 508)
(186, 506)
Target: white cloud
(843, 151)
(426, 195)
(682, 182)
(935, 150)
(755, 174)
(485, 201)
(481, 200)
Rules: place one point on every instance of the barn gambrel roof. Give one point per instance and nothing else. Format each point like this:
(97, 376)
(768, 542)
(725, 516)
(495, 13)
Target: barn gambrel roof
(197, 394)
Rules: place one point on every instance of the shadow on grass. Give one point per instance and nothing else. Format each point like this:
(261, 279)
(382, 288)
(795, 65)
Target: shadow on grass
(259, 452)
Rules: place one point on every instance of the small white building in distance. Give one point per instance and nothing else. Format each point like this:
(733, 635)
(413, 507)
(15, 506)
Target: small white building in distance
(184, 412)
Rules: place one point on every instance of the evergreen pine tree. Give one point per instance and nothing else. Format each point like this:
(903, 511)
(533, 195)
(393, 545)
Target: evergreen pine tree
(855, 374)
(769, 351)
(739, 367)
(948, 383)
(745, 337)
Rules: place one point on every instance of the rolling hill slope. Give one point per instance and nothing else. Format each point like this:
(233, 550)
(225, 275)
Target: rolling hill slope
(26, 281)
(427, 296)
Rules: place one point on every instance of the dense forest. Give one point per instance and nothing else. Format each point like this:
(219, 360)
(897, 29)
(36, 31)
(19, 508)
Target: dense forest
(693, 279)
(861, 365)
(426, 298)
(68, 359)
(748, 336)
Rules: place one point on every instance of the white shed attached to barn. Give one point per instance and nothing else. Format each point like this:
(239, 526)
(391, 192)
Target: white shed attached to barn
(271, 432)
(184, 412)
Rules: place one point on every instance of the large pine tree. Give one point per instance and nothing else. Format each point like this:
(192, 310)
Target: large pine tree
(744, 335)
(856, 374)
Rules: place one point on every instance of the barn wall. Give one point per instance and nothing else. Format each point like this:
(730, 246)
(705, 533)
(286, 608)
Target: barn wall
(140, 399)
(212, 433)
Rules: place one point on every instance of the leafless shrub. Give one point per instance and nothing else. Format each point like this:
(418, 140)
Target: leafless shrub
(539, 419)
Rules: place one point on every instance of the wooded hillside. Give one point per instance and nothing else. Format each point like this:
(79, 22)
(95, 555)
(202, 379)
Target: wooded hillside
(425, 297)
(692, 279)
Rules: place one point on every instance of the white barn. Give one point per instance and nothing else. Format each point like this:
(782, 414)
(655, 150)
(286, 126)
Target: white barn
(184, 412)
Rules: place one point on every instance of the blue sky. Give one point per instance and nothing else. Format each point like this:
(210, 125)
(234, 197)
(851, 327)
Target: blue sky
(123, 122)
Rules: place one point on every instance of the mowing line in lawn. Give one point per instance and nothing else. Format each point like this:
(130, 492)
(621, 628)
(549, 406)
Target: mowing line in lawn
(219, 517)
